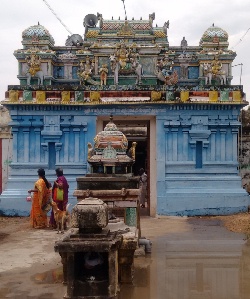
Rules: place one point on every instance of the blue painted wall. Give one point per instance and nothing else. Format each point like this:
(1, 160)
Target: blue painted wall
(197, 163)
(196, 153)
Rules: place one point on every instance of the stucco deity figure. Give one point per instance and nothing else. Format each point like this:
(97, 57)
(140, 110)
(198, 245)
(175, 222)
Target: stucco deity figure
(103, 74)
(214, 71)
(91, 151)
(131, 151)
(34, 64)
(166, 27)
(34, 68)
(164, 70)
(216, 66)
(114, 65)
(85, 70)
(151, 18)
(184, 44)
(122, 55)
(137, 67)
(165, 65)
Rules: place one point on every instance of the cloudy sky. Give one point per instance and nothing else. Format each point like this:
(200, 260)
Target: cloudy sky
(187, 18)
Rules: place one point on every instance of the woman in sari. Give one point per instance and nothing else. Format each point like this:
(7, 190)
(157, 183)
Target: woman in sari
(61, 183)
(41, 195)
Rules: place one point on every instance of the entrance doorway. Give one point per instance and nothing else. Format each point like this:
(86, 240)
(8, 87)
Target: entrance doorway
(138, 131)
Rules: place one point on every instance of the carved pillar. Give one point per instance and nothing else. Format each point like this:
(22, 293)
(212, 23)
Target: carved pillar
(58, 146)
(230, 69)
(235, 132)
(15, 146)
(175, 144)
(166, 144)
(84, 142)
(185, 144)
(223, 144)
(26, 144)
(38, 144)
(45, 147)
(77, 143)
(213, 144)
(66, 144)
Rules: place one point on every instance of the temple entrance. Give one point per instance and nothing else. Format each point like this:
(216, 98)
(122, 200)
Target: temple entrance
(138, 131)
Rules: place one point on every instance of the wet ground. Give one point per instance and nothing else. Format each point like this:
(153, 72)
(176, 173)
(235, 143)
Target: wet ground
(191, 258)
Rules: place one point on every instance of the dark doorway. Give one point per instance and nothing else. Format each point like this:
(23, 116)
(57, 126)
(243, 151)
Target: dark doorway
(138, 131)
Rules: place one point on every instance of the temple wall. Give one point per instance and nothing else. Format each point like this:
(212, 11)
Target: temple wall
(197, 164)
(193, 155)
(5, 147)
(46, 140)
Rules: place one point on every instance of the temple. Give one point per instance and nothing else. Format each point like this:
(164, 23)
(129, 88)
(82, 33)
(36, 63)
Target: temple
(176, 103)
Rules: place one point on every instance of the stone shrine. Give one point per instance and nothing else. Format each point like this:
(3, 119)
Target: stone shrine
(111, 178)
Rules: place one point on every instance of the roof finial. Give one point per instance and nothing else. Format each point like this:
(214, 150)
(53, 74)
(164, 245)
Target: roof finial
(111, 118)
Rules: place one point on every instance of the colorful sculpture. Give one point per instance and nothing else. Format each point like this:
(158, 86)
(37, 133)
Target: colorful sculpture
(34, 69)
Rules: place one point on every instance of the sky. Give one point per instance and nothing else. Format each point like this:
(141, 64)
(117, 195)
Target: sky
(186, 18)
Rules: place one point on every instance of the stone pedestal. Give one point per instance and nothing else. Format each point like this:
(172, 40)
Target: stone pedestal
(90, 264)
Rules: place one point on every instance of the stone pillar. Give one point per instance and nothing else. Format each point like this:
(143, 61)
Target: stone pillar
(38, 144)
(126, 259)
(58, 147)
(77, 143)
(166, 143)
(223, 144)
(15, 145)
(84, 149)
(235, 132)
(213, 144)
(130, 217)
(66, 144)
(185, 144)
(26, 135)
(175, 144)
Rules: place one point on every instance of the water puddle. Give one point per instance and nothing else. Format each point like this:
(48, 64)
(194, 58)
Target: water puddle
(190, 269)
(48, 277)
(191, 261)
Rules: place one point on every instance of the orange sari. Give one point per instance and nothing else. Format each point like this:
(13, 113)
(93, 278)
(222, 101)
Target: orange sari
(38, 218)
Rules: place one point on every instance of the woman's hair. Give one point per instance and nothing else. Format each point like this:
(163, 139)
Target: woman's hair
(59, 171)
(41, 173)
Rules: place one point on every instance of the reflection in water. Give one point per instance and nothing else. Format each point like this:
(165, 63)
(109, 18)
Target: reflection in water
(192, 269)
(52, 276)
(184, 269)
